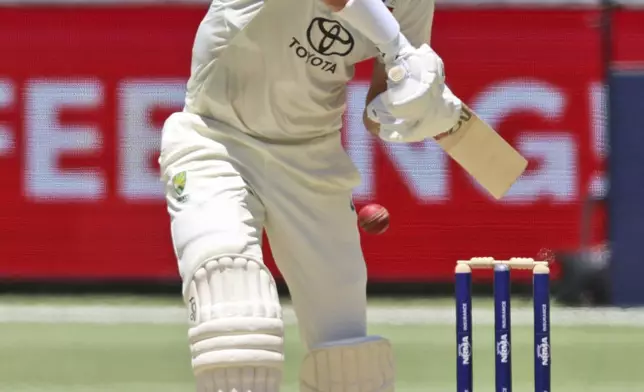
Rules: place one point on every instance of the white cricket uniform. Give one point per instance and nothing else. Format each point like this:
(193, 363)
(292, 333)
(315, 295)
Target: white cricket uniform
(258, 147)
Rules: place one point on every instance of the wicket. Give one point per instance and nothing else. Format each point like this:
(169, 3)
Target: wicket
(502, 321)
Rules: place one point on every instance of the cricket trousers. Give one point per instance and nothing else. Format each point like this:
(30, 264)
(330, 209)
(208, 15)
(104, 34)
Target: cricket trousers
(222, 180)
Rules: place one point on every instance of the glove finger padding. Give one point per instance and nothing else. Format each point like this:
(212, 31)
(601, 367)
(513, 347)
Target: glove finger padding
(378, 112)
(391, 128)
(438, 118)
(400, 133)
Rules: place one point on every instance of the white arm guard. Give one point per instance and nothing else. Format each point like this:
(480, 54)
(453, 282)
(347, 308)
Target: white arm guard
(439, 117)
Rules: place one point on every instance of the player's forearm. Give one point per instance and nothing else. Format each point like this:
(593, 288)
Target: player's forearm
(374, 20)
(378, 85)
(371, 126)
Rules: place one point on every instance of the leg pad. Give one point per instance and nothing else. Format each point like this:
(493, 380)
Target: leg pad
(351, 365)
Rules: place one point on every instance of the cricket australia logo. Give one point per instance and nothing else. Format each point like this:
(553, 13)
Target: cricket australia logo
(503, 348)
(543, 351)
(179, 185)
(465, 350)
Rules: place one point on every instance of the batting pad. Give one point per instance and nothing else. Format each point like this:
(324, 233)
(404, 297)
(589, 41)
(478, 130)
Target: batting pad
(236, 334)
(351, 365)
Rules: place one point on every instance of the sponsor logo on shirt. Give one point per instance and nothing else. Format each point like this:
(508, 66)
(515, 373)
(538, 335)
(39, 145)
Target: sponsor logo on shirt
(325, 38)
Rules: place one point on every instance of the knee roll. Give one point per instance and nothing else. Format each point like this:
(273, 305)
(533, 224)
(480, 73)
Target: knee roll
(236, 333)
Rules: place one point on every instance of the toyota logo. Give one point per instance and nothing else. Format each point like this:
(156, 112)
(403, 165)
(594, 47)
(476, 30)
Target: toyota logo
(329, 37)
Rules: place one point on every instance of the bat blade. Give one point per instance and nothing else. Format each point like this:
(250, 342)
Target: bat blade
(483, 153)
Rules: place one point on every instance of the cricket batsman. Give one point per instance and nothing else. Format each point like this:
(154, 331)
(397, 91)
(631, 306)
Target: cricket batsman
(258, 147)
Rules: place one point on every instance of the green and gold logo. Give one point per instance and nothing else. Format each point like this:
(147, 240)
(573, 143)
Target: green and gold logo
(179, 182)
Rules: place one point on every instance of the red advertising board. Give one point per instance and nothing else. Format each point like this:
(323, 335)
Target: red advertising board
(628, 38)
(84, 91)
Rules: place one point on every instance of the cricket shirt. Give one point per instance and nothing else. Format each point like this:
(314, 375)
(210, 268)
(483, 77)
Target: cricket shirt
(278, 69)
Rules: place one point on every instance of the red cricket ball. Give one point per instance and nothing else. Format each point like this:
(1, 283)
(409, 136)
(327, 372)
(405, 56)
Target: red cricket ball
(373, 219)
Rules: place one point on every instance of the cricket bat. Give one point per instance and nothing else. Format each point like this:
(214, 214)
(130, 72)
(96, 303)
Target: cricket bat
(483, 153)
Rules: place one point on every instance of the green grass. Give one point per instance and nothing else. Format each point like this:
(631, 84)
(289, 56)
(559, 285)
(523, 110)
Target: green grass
(177, 301)
(152, 357)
